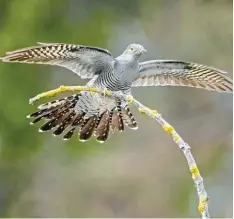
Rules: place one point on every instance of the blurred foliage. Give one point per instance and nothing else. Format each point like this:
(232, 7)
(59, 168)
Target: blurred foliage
(77, 179)
(23, 23)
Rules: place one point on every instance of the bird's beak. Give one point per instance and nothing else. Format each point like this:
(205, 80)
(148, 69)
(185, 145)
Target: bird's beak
(144, 50)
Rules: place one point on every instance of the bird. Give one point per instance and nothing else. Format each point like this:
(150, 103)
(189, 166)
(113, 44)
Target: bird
(92, 114)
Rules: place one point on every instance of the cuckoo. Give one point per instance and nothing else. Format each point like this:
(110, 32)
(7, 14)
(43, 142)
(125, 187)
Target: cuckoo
(92, 114)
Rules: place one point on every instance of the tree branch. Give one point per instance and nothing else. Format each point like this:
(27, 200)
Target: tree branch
(184, 147)
(198, 180)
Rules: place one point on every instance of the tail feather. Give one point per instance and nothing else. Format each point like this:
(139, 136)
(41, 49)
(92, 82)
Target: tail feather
(61, 117)
(78, 120)
(36, 120)
(87, 128)
(38, 113)
(69, 134)
(47, 115)
(102, 130)
(51, 108)
(117, 119)
(129, 119)
(116, 122)
(65, 123)
(50, 124)
(110, 117)
(58, 118)
(59, 102)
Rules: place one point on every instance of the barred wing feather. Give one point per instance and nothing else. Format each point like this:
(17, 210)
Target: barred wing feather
(179, 73)
(83, 60)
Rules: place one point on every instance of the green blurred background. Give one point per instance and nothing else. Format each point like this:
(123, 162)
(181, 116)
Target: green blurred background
(137, 174)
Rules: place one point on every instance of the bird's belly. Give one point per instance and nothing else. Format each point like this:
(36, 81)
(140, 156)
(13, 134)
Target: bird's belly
(112, 82)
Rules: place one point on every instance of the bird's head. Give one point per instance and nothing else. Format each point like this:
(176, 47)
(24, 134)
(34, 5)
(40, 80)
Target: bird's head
(135, 50)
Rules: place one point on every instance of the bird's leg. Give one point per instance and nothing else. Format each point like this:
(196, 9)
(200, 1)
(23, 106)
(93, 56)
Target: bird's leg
(59, 90)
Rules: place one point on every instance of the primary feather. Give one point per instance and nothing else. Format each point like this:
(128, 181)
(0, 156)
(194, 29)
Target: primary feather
(179, 73)
(83, 60)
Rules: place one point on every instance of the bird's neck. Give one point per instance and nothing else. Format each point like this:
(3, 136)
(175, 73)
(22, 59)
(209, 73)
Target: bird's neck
(127, 58)
(127, 68)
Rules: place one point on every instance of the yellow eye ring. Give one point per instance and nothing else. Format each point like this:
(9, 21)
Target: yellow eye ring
(131, 48)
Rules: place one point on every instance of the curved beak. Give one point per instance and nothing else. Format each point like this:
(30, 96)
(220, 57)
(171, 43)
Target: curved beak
(144, 50)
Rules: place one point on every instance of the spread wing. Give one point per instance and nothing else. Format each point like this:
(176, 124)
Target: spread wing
(82, 60)
(179, 73)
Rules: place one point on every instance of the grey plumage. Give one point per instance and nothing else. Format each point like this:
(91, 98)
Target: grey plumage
(93, 114)
(178, 73)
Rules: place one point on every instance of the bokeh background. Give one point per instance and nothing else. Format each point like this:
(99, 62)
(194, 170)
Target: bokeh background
(137, 174)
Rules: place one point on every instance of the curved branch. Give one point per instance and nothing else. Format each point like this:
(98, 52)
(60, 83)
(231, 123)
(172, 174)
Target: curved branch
(184, 147)
(198, 180)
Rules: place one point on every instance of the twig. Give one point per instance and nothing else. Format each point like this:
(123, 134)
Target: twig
(198, 180)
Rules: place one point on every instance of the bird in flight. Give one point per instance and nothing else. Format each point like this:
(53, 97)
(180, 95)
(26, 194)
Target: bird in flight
(92, 114)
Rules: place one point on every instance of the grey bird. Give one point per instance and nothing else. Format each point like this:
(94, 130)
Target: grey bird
(92, 114)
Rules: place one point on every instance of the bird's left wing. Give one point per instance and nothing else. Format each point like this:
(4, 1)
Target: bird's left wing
(85, 61)
(179, 73)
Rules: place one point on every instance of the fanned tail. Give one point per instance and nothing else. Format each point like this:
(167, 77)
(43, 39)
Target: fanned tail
(60, 117)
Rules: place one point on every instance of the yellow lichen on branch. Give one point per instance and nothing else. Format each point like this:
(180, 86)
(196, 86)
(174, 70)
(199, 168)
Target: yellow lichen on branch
(198, 180)
(168, 129)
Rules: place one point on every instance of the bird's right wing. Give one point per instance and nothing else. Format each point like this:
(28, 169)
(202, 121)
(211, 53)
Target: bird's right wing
(179, 73)
(83, 60)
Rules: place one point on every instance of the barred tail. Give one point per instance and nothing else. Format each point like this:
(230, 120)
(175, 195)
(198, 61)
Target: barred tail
(60, 117)
(129, 119)
(103, 127)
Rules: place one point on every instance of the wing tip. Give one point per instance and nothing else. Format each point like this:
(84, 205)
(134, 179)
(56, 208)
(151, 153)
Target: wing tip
(6, 59)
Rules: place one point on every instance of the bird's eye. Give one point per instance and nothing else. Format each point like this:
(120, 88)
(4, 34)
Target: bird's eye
(131, 48)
